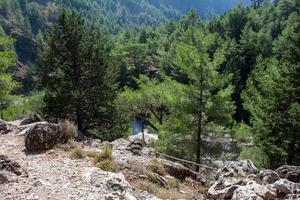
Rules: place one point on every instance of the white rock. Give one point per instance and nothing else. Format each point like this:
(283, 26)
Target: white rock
(285, 186)
(148, 137)
(253, 191)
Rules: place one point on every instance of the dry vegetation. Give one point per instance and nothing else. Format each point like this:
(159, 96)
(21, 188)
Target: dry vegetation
(103, 160)
(69, 130)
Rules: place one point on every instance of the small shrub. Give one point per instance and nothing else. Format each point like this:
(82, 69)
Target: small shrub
(105, 154)
(157, 167)
(104, 159)
(160, 192)
(107, 165)
(173, 183)
(78, 153)
(69, 130)
(92, 154)
(256, 155)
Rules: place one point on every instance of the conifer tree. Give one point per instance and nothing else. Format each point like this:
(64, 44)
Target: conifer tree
(208, 97)
(272, 97)
(76, 73)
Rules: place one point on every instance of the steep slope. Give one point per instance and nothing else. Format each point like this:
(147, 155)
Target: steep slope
(204, 8)
(24, 19)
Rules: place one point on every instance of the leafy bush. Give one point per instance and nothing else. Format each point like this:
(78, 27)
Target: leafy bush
(256, 155)
(23, 106)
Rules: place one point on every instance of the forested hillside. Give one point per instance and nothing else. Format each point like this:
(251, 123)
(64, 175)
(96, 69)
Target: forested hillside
(198, 81)
(23, 19)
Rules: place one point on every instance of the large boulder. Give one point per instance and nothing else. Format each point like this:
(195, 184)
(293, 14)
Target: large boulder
(284, 186)
(43, 136)
(30, 120)
(267, 177)
(223, 189)
(241, 168)
(292, 173)
(253, 191)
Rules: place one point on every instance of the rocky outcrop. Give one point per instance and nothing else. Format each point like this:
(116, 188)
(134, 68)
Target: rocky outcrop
(223, 189)
(292, 173)
(179, 171)
(237, 180)
(253, 191)
(112, 186)
(9, 170)
(10, 165)
(267, 177)
(241, 168)
(30, 120)
(3, 127)
(42, 137)
(135, 148)
(285, 187)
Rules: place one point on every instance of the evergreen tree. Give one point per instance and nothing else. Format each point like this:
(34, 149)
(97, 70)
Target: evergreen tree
(208, 97)
(272, 97)
(76, 73)
(7, 59)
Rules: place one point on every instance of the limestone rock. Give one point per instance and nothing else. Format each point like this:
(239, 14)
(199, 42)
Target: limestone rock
(42, 137)
(30, 120)
(292, 173)
(253, 191)
(267, 176)
(179, 171)
(241, 168)
(285, 186)
(223, 190)
(7, 177)
(135, 148)
(149, 138)
(10, 165)
(3, 127)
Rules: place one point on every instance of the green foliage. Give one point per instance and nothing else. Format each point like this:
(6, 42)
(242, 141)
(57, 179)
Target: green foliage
(256, 155)
(76, 72)
(7, 59)
(272, 99)
(23, 106)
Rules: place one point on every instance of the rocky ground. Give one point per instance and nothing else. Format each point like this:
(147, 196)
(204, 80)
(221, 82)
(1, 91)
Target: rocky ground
(26, 173)
(53, 174)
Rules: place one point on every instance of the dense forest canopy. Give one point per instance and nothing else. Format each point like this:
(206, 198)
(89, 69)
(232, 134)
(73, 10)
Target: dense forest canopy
(235, 74)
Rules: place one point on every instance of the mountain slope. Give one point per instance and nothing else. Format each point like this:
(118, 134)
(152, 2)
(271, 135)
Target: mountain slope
(23, 19)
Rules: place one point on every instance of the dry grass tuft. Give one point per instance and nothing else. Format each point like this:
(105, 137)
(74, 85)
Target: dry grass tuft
(78, 153)
(69, 130)
(160, 192)
(107, 165)
(157, 167)
(104, 159)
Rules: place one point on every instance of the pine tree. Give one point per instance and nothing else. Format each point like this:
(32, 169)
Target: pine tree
(272, 97)
(208, 97)
(76, 70)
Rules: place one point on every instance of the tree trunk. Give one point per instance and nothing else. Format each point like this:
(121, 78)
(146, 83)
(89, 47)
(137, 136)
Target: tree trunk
(200, 128)
(144, 141)
(79, 119)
